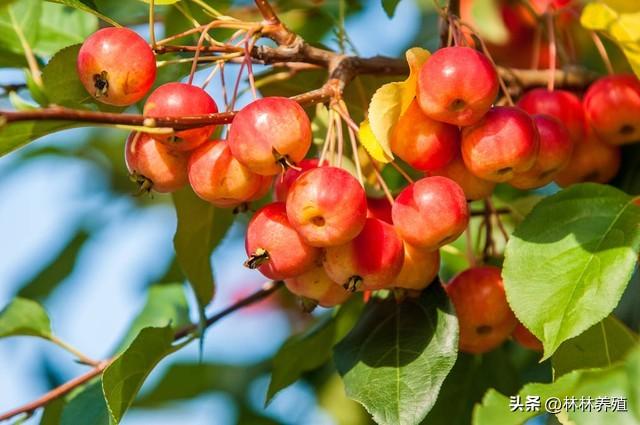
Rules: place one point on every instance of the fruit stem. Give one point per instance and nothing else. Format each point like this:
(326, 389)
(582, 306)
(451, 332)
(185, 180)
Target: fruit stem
(602, 51)
(152, 26)
(79, 355)
(340, 140)
(327, 139)
(552, 51)
(403, 173)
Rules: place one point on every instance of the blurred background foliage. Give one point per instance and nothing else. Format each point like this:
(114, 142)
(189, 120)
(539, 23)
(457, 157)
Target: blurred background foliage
(73, 237)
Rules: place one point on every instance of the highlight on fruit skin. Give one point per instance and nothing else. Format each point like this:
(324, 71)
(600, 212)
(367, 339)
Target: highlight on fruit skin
(106, 76)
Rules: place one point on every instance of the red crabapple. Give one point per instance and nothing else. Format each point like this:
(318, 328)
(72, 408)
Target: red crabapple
(612, 106)
(457, 85)
(284, 182)
(524, 337)
(484, 316)
(270, 133)
(591, 161)
(379, 208)
(181, 100)
(554, 153)
(217, 177)
(274, 247)
(419, 269)
(327, 206)
(560, 104)
(317, 285)
(473, 186)
(503, 142)
(372, 260)
(116, 66)
(431, 212)
(423, 143)
(154, 165)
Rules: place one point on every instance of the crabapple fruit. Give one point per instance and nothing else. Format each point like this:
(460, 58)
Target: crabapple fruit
(473, 186)
(484, 316)
(419, 268)
(270, 133)
(560, 104)
(327, 206)
(317, 285)
(612, 106)
(274, 247)
(591, 161)
(181, 100)
(502, 143)
(524, 337)
(554, 153)
(457, 85)
(284, 182)
(217, 177)
(431, 212)
(370, 261)
(379, 208)
(109, 78)
(155, 165)
(423, 143)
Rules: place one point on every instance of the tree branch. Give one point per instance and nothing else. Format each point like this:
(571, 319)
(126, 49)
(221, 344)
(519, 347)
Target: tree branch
(264, 292)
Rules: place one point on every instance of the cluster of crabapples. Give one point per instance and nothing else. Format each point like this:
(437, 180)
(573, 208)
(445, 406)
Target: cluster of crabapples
(322, 235)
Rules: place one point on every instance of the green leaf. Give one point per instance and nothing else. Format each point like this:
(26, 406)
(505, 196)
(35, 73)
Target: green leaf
(53, 273)
(390, 6)
(24, 317)
(488, 21)
(384, 360)
(601, 345)
(86, 6)
(467, 383)
(52, 412)
(619, 380)
(16, 135)
(62, 26)
(571, 258)
(123, 378)
(87, 406)
(201, 226)
(161, 2)
(312, 348)
(185, 381)
(166, 305)
(18, 18)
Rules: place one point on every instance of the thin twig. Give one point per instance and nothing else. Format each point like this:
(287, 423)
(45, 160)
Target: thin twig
(602, 52)
(552, 52)
(82, 358)
(264, 292)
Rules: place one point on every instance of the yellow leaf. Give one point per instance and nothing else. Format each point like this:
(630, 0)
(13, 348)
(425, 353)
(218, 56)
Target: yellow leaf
(371, 143)
(620, 19)
(388, 103)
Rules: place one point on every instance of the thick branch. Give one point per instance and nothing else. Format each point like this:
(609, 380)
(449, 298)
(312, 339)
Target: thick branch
(266, 290)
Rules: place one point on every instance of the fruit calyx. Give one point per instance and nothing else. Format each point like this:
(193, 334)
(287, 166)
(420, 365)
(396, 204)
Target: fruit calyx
(353, 283)
(101, 83)
(258, 258)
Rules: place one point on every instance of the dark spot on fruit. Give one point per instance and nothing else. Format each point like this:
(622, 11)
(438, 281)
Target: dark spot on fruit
(592, 176)
(101, 83)
(627, 129)
(505, 170)
(484, 329)
(318, 221)
(457, 105)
